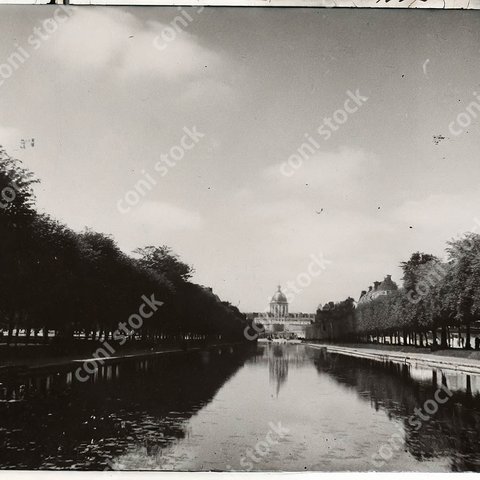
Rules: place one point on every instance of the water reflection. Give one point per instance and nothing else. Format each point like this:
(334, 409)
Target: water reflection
(452, 432)
(52, 421)
(278, 366)
(279, 357)
(204, 410)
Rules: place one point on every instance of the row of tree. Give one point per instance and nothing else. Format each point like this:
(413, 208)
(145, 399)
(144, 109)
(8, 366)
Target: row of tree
(435, 297)
(82, 284)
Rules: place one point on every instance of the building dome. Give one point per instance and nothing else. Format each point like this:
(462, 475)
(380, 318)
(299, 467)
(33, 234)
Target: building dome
(279, 304)
(279, 297)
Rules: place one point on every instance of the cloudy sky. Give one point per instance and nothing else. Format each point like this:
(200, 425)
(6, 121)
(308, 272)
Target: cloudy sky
(104, 104)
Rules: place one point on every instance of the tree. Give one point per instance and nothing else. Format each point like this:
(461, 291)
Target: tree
(162, 260)
(411, 269)
(53, 278)
(464, 283)
(432, 306)
(17, 199)
(416, 284)
(17, 212)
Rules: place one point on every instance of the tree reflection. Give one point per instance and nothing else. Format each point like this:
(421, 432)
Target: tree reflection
(453, 431)
(60, 423)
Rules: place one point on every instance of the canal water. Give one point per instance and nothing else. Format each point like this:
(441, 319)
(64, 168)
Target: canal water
(264, 407)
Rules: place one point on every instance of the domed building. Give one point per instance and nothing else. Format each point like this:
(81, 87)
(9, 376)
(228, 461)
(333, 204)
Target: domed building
(279, 304)
(279, 322)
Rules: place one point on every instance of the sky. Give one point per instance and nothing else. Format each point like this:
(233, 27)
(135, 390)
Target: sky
(106, 97)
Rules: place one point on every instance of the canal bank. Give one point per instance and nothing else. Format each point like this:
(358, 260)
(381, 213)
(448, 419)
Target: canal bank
(456, 360)
(69, 362)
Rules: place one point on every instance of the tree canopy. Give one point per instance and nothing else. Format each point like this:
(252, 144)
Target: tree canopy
(83, 284)
(435, 295)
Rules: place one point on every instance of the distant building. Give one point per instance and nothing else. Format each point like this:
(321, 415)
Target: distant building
(337, 321)
(279, 322)
(378, 289)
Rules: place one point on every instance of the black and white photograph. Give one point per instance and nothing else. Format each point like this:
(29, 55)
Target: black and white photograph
(239, 239)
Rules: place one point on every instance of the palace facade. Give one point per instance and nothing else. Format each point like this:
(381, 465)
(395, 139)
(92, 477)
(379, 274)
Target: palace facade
(279, 322)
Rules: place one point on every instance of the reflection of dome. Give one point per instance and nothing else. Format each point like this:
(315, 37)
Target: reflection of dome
(278, 366)
(279, 297)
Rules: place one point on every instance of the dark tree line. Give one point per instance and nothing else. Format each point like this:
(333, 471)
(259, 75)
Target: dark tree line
(82, 285)
(436, 298)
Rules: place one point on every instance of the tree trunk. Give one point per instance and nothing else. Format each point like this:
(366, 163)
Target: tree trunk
(443, 338)
(468, 345)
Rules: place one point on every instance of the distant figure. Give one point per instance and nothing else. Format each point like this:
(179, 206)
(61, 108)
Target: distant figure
(477, 343)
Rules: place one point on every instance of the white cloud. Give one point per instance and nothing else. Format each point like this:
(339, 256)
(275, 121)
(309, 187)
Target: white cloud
(208, 90)
(435, 219)
(336, 174)
(182, 56)
(10, 139)
(441, 211)
(161, 216)
(118, 41)
(92, 38)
